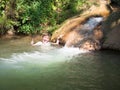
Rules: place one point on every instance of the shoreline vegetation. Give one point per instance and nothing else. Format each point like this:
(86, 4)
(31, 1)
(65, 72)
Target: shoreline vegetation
(33, 17)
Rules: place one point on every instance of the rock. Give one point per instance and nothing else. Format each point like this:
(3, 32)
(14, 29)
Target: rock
(11, 32)
(111, 28)
(76, 33)
(90, 44)
(112, 40)
(71, 24)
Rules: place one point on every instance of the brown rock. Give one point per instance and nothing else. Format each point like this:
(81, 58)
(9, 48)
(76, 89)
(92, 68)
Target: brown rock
(112, 40)
(72, 33)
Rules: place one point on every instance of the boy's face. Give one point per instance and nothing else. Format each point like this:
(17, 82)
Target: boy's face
(46, 39)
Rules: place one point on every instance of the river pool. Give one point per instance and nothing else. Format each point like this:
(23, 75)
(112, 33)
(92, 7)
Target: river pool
(24, 67)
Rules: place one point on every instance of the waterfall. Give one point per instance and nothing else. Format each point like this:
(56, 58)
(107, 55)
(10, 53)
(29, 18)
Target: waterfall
(92, 23)
(84, 33)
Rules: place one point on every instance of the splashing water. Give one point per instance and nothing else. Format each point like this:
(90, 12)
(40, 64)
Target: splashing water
(42, 58)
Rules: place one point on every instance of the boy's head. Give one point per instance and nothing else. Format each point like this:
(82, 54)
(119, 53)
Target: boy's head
(45, 37)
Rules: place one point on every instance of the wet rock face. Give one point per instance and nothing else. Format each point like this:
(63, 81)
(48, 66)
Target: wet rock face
(84, 31)
(112, 40)
(111, 28)
(90, 45)
(86, 36)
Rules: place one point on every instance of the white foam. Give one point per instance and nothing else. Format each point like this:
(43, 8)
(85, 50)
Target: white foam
(42, 58)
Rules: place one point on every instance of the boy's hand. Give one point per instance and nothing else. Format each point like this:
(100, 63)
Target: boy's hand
(32, 41)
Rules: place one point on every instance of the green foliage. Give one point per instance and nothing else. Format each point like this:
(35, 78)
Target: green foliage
(34, 16)
(2, 6)
(7, 18)
(6, 24)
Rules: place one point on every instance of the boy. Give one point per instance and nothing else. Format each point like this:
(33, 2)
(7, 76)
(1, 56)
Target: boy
(45, 41)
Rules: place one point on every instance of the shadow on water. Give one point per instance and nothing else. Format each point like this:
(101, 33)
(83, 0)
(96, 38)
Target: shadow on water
(31, 68)
(96, 71)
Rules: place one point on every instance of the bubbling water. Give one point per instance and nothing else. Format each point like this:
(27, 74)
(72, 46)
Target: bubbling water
(41, 58)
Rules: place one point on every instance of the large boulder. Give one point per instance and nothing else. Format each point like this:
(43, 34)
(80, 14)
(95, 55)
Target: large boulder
(111, 28)
(73, 34)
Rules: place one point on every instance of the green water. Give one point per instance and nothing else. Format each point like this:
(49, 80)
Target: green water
(23, 67)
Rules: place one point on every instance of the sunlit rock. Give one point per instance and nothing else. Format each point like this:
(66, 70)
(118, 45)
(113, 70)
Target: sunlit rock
(87, 25)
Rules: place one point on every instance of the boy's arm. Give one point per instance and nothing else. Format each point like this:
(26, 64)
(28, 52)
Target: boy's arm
(32, 42)
(35, 44)
(57, 42)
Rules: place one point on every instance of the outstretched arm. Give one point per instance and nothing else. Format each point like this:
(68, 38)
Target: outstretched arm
(58, 40)
(32, 42)
(35, 44)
